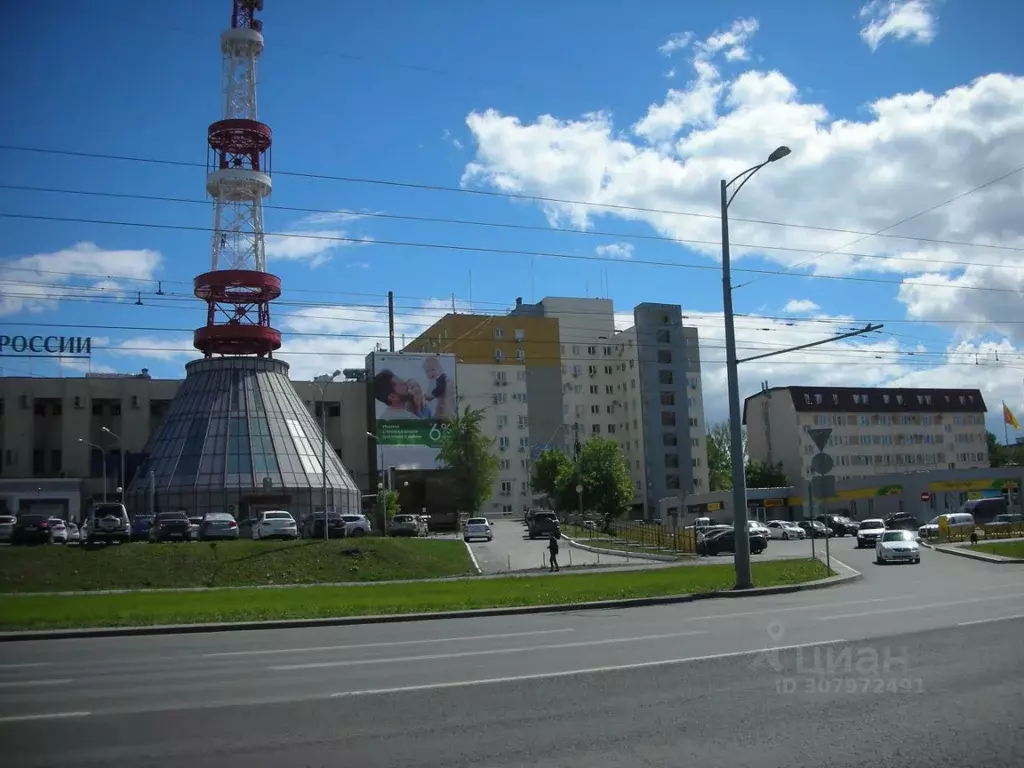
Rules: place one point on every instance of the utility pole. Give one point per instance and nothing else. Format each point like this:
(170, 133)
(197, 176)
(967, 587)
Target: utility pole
(578, 450)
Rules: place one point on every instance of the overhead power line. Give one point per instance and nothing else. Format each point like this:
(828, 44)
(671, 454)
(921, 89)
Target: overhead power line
(504, 252)
(520, 196)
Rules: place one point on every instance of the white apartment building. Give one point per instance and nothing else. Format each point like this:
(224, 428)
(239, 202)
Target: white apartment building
(874, 431)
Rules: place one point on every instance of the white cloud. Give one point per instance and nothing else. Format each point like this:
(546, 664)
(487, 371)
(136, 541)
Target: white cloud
(675, 43)
(315, 238)
(800, 306)
(615, 251)
(164, 347)
(36, 283)
(912, 20)
(448, 138)
(846, 174)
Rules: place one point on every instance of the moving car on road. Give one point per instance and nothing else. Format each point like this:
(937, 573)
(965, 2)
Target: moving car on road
(869, 532)
(902, 521)
(897, 547)
(108, 522)
(478, 528)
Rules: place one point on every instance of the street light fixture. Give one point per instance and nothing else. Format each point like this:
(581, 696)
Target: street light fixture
(322, 381)
(120, 449)
(739, 481)
(103, 453)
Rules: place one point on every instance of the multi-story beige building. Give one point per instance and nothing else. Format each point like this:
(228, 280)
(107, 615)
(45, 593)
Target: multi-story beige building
(61, 438)
(874, 431)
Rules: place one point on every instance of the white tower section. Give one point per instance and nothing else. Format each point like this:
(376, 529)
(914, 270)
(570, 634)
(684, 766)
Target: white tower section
(239, 179)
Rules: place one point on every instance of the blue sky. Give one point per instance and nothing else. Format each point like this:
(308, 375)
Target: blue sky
(417, 92)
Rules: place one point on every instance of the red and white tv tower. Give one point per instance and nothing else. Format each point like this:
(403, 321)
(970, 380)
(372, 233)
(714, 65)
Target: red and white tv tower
(238, 290)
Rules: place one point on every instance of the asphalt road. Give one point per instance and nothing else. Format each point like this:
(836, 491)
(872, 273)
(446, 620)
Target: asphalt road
(921, 665)
(512, 550)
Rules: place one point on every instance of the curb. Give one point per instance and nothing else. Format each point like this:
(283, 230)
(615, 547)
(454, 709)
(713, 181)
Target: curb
(472, 557)
(982, 556)
(622, 552)
(339, 621)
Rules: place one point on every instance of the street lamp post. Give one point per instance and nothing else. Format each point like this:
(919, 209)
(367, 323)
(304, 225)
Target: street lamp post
(103, 453)
(322, 381)
(120, 449)
(739, 482)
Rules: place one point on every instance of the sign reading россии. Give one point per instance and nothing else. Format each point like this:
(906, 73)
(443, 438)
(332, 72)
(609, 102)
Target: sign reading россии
(37, 346)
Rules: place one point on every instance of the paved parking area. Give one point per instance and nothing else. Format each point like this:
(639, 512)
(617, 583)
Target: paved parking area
(512, 550)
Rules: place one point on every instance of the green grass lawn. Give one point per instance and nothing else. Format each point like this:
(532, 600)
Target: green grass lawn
(60, 611)
(1004, 548)
(242, 563)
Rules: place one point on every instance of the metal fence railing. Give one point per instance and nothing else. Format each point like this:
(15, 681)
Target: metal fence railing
(644, 535)
(986, 531)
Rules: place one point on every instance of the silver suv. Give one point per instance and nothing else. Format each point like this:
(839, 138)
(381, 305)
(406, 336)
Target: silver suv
(108, 521)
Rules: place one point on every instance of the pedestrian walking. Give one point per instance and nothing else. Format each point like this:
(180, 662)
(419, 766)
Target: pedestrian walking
(553, 553)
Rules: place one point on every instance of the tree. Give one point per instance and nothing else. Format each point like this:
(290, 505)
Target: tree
(467, 453)
(719, 457)
(1003, 455)
(549, 473)
(761, 474)
(604, 475)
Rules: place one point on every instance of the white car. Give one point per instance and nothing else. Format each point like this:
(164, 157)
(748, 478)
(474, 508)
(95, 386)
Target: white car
(7, 527)
(870, 532)
(478, 528)
(785, 530)
(756, 526)
(73, 534)
(356, 525)
(958, 523)
(897, 547)
(275, 524)
(58, 531)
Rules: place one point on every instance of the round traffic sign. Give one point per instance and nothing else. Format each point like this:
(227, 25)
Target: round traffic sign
(925, 496)
(822, 463)
(579, 489)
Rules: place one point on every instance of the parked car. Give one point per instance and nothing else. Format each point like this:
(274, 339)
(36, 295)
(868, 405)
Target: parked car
(7, 527)
(724, 540)
(74, 534)
(108, 522)
(313, 526)
(195, 524)
(406, 525)
(897, 547)
(869, 532)
(170, 526)
(544, 524)
(478, 528)
(58, 531)
(785, 530)
(957, 524)
(839, 524)
(30, 528)
(141, 525)
(356, 525)
(218, 525)
(756, 526)
(902, 521)
(275, 524)
(814, 529)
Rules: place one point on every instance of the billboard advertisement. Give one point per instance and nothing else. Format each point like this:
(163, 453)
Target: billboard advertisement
(414, 399)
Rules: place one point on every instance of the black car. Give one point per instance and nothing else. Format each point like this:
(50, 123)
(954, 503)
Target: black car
(725, 541)
(171, 526)
(31, 529)
(902, 521)
(544, 524)
(815, 530)
(839, 524)
(313, 527)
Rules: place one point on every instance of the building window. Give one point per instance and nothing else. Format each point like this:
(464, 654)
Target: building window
(663, 337)
(669, 439)
(666, 378)
(668, 418)
(38, 462)
(611, 429)
(608, 370)
(672, 460)
(519, 334)
(595, 409)
(498, 333)
(672, 482)
(609, 389)
(592, 370)
(520, 355)
(595, 429)
(665, 356)
(594, 389)
(591, 350)
(506, 487)
(667, 398)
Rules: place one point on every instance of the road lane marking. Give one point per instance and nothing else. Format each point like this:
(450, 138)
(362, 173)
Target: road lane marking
(34, 683)
(25, 666)
(922, 607)
(486, 652)
(576, 672)
(47, 716)
(790, 609)
(389, 644)
(989, 621)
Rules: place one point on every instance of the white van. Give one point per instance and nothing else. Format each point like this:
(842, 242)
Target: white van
(959, 524)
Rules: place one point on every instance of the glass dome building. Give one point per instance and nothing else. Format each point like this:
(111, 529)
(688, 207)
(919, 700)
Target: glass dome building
(238, 439)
